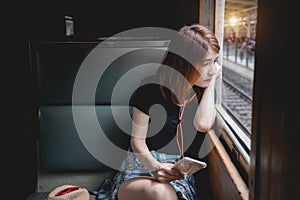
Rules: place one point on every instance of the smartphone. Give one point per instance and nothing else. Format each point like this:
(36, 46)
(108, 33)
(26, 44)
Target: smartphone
(188, 165)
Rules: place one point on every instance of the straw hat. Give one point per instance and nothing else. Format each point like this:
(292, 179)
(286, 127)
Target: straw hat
(69, 192)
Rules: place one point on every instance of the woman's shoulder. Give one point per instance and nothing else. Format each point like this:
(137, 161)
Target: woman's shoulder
(147, 91)
(149, 85)
(146, 95)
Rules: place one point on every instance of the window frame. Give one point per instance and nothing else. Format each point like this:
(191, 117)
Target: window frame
(235, 140)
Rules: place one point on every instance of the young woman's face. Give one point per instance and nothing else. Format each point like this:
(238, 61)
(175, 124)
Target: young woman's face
(207, 69)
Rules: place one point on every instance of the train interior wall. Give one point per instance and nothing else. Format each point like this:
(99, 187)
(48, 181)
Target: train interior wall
(44, 21)
(275, 163)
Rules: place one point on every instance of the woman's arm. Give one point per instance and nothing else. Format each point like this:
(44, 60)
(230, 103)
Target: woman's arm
(206, 112)
(162, 172)
(138, 140)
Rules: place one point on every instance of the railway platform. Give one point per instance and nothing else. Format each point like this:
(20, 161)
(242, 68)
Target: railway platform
(238, 68)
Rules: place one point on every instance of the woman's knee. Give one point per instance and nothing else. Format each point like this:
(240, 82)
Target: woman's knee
(146, 189)
(163, 191)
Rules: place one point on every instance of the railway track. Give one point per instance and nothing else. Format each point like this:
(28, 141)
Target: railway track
(237, 97)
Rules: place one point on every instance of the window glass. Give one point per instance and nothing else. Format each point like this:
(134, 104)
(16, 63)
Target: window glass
(238, 61)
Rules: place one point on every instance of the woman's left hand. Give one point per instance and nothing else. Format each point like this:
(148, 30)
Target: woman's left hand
(166, 173)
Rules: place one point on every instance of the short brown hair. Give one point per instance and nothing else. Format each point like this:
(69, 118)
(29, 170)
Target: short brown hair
(207, 40)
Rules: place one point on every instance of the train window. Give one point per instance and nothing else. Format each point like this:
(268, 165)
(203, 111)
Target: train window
(235, 104)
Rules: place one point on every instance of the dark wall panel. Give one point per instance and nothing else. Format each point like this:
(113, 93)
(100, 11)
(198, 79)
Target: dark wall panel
(44, 21)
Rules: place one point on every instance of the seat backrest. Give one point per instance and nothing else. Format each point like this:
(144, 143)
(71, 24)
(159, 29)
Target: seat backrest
(75, 126)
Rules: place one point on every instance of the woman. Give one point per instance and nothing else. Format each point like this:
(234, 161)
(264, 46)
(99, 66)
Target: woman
(147, 174)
